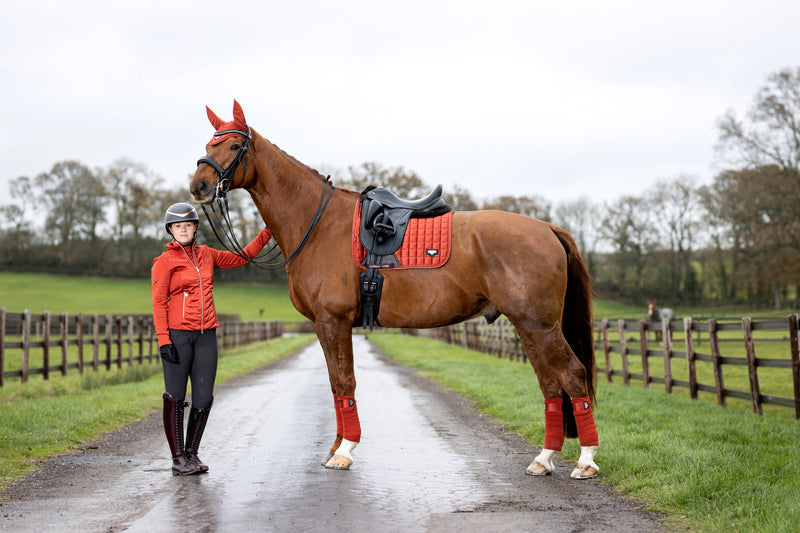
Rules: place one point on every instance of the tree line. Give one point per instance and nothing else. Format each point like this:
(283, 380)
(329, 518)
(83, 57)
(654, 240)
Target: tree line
(735, 240)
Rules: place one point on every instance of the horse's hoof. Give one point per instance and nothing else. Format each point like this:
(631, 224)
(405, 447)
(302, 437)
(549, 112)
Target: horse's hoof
(327, 458)
(339, 462)
(584, 472)
(538, 469)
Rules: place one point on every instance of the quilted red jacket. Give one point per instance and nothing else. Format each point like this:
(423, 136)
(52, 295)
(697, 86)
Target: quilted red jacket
(183, 279)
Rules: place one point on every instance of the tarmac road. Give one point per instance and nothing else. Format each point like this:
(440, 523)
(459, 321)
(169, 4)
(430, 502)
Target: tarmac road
(426, 462)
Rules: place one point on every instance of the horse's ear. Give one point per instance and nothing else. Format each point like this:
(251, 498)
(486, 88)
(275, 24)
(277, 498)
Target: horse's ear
(215, 120)
(238, 116)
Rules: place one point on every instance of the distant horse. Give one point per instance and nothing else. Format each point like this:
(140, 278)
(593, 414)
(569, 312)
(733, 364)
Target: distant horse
(500, 263)
(657, 314)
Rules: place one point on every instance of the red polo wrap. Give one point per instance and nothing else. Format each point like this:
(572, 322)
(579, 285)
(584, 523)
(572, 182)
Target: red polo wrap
(584, 419)
(553, 424)
(351, 427)
(339, 422)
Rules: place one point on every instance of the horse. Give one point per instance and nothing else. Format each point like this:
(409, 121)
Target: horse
(529, 270)
(657, 314)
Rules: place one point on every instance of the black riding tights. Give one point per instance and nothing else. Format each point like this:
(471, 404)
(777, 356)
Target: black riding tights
(198, 360)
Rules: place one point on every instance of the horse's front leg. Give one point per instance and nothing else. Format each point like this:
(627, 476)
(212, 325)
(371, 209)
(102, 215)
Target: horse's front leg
(337, 344)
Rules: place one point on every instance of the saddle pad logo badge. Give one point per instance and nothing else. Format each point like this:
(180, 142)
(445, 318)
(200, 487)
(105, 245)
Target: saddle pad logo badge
(431, 253)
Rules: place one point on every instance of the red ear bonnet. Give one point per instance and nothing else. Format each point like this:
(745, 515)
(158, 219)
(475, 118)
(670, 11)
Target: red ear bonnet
(238, 123)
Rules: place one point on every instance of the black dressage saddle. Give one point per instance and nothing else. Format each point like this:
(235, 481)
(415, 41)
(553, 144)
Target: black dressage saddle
(384, 220)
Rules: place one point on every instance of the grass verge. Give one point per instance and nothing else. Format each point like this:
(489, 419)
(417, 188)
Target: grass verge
(707, 468)
(43, 418)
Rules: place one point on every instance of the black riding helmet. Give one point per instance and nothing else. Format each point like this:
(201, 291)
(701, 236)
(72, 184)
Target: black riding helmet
(180, 212)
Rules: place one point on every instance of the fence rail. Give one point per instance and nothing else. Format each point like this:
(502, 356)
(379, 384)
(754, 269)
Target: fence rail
(99, 341)
(616, 341)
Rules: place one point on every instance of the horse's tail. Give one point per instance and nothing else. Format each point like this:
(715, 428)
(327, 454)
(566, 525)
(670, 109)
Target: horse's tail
(576, 322)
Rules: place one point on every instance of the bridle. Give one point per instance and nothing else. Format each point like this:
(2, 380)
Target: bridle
(223, 184)
(265, 260)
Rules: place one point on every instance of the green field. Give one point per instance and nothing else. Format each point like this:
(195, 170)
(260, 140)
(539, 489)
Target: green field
(707, 468)
(58, 294)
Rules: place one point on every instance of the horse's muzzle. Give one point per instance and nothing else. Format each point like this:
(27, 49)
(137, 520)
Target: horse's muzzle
(202, 192)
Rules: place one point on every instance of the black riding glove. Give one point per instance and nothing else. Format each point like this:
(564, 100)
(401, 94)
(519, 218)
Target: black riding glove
(169, 354)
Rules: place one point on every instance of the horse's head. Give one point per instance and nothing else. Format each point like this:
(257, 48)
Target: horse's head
(219, 170)
(651, 307)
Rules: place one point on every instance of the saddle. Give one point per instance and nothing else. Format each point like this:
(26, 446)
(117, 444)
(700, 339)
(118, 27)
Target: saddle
(384, 217)
(384, 220)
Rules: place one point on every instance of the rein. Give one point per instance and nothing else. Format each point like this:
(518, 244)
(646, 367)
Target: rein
(222, 213)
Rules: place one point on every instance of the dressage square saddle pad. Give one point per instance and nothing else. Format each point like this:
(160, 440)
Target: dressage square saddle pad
(426, 243)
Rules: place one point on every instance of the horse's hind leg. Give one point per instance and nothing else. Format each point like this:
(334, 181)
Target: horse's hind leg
(560, 372)
(337, 344)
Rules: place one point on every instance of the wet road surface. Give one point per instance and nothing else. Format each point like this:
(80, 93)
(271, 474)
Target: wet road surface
(453, 470)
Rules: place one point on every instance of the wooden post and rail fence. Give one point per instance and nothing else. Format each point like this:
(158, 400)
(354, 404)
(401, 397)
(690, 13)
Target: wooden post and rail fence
(100, 341)
(103, 341)
(730, 344)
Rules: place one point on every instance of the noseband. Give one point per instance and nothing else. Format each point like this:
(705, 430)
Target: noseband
(223, 183)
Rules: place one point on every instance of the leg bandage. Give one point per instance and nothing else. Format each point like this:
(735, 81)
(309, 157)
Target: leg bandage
(339, 423)
(584, 419)
(351, 428)
(553, 424)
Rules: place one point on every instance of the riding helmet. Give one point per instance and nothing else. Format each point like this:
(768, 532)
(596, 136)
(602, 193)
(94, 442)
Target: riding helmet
(180, 212)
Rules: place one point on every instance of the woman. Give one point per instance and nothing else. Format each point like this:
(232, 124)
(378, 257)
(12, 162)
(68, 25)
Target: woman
(185, 321)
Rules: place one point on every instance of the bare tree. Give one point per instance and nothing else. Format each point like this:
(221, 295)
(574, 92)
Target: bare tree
(532, 206)
(73, 198)
(460, 199)
(676, 216)
(400, 181)
(771, 134)
(628, 227)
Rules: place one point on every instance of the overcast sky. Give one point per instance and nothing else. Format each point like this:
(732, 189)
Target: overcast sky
(556, 99)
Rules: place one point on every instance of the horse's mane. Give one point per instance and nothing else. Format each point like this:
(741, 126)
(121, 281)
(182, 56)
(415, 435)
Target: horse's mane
(297, 162)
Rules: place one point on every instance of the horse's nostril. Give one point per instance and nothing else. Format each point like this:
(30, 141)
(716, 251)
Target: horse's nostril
(203, 187)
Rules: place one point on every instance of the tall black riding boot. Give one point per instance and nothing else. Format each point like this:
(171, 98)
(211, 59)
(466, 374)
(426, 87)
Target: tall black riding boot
(194, 433)
(173, 427)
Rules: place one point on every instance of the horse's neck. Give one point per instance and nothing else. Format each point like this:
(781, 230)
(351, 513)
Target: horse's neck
(286, 192)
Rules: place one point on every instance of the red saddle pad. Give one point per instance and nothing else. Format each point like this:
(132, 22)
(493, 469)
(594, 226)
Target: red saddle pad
(426, 243)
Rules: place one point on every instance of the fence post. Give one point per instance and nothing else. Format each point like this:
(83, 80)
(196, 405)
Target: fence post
(64, 332)
(793, 327)
(46, 345)
(690, 356)
(130, 340)
(2, 343)
(623, 351)
(151, 330)
(118, 342)
(140, 339)
(26, 344)
(79, 340)
(95, 342)
(607, 349)
(108, 342)
(713, 341)
(755, 392)
(666, 338)
(645, 358)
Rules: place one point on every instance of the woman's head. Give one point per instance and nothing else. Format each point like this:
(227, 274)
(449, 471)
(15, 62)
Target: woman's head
(181, 222)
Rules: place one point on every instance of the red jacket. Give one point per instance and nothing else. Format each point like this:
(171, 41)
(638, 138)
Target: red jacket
(183, 278)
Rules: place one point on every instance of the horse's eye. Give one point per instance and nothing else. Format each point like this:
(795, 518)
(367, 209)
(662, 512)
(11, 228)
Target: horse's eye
(235, 146)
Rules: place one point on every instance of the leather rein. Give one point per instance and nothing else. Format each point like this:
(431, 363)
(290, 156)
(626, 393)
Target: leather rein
(265, 260)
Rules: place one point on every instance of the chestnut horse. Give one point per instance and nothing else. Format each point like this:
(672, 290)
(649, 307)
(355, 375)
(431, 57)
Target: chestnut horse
(500, 263)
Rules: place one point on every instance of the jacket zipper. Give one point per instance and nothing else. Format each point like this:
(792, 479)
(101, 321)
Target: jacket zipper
(193, 261)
